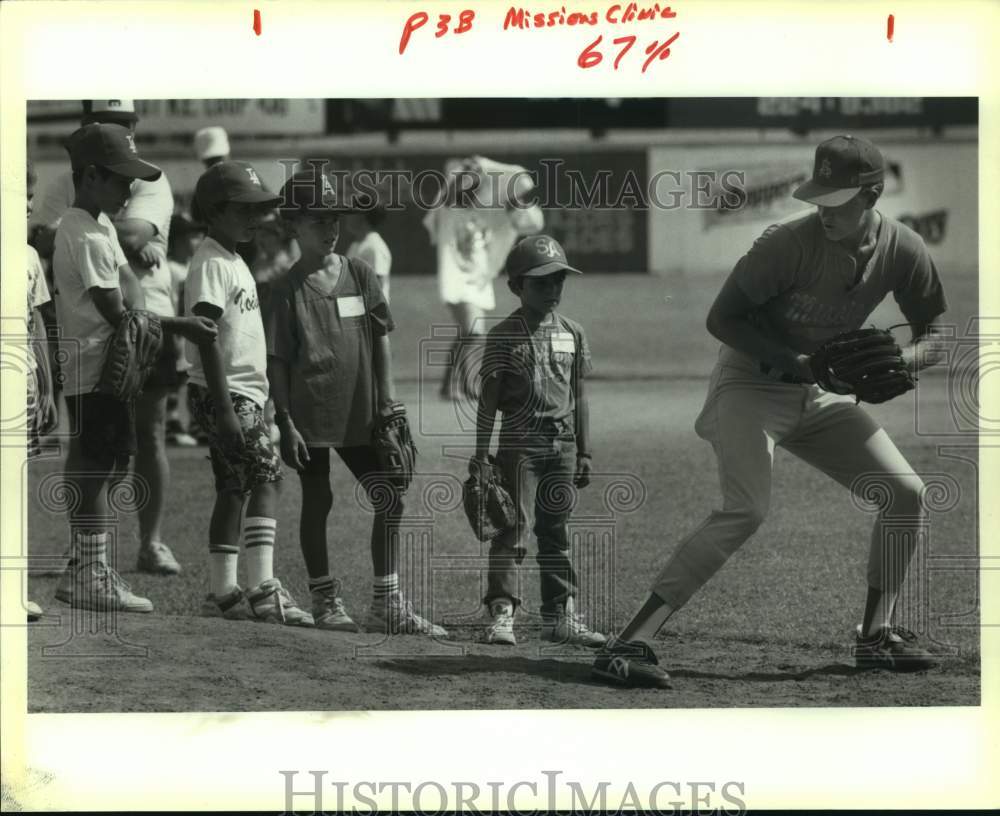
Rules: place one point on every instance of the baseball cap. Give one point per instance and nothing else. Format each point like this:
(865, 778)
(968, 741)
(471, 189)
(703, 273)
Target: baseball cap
(537, 256)
(109, 146)
(110, 110)
(314, 190)
(211, 142)
(231, 181)
(844, 164)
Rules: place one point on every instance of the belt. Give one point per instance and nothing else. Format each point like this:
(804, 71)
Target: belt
(775, 374)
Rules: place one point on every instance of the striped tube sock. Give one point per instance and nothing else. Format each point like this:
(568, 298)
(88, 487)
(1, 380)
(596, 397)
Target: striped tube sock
(385, 585)
(90, 547)
(258, 541)
(322, 584)
(222, 560)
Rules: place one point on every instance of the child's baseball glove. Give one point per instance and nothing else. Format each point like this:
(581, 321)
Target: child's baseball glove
(866, 362)
(130, 355)
(394, 448)
(488, 506)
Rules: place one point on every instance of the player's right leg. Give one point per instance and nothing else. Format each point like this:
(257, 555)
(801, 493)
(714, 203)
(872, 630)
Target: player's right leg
(328, 609)
(102, 440)
(743, 417)
(152, 467)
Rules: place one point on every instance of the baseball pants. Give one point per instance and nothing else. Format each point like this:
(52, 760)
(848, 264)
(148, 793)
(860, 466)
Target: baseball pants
(745, 415)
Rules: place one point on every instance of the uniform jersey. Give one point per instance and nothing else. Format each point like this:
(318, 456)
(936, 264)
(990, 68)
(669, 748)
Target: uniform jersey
(86, 254)
(535, 370)
(317, 324)
(220, 278)
(808, 288)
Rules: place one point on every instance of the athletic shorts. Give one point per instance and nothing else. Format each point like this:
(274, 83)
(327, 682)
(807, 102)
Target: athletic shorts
(103, 427)
(237, 470)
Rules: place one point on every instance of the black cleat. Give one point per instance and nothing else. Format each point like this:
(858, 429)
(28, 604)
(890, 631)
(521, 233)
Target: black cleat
(891, 648)
(631, 664)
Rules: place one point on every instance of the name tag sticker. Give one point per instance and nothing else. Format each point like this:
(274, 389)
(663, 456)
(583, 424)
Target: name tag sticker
(563, 341)
(351, 306)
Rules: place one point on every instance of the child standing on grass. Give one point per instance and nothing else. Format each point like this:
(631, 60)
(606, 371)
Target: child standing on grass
(328, 351)
(228, 389)
(94, 287)
(532, 373)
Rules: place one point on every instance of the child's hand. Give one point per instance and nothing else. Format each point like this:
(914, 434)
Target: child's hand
(294, 451)
(147, 257)
(199, 330)
(583, 470)
(480, 469)
(230, 431)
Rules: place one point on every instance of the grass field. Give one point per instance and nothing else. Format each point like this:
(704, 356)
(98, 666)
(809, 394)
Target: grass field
(773, 628)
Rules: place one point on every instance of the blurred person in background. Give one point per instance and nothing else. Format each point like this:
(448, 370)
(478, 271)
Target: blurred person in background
(367, 244)
(484, 209)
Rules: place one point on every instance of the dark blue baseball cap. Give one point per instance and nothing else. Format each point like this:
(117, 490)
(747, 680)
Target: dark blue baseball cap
(234, 181)
(537, 256)
(111, 147)
(843, 165)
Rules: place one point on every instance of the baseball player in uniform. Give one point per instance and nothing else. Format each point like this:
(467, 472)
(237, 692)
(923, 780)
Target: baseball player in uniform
(800, 284)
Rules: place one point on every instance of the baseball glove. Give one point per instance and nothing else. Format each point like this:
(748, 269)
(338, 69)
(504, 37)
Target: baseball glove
(866, 362)
(130, 355)
(394, 449)
(488, 506)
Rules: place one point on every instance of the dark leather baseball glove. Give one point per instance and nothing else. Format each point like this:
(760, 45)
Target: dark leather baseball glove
(488, 506)
(130, 355)
(866, 362)
(394, 448)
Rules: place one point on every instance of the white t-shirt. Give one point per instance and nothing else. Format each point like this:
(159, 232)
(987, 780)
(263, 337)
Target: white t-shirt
(86, 254)
(151, 201)
(221, 278)
(374, 251)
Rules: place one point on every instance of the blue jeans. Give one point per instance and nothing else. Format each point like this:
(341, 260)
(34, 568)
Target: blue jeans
(539, 476)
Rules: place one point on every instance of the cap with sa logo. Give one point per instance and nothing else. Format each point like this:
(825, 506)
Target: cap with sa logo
(313, 190)
(844, 164)
(537, 256)
(232, 181)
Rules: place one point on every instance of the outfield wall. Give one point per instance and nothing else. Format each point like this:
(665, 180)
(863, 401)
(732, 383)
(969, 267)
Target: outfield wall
(930, 186)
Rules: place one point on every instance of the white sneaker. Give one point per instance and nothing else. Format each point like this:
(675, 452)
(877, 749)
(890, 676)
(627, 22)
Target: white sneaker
(329, 613)
(231, 606)
(568, 628)
(272, 603)
(182, 439)
(34, 611)
(501, 628)
(97, 586)
(394, 616)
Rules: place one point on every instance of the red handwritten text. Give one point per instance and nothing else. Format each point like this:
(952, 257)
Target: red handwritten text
(443, 26)
(591, 56)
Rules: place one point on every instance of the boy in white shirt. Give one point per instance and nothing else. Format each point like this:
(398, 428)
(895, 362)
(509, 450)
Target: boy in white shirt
(228, 389)
(90, 274)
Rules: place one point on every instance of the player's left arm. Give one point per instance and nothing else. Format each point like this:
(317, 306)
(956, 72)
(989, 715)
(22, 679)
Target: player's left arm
(920, 297)
(926, 348)
(382, 361)
(582, 366)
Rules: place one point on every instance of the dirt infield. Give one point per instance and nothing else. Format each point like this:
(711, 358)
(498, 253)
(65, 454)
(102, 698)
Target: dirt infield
(210, 665)
(773, 628)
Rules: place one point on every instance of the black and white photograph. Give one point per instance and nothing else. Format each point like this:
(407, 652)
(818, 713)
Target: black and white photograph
(623, 402)
(487, 407)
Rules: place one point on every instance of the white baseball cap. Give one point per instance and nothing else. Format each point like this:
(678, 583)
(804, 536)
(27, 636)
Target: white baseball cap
(109, 110)
(211, 143)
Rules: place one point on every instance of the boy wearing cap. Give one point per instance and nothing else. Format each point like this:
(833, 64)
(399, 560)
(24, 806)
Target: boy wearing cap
(800, 284)
(533, 368)
(330, 366)
(90, 273)
(228, 389)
